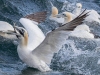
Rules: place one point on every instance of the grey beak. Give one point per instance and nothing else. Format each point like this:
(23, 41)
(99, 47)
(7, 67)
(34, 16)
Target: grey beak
(19, 30)
(16, 29)
(15, 32)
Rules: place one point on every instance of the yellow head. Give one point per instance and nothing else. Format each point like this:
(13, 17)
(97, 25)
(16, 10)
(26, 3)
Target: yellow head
(67, 16)
(54, 11)
(22, 35)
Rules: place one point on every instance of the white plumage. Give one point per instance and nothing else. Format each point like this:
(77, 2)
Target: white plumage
(82, 31)
(40, 55)
(54, 14)
(5, 27)
(36, 36)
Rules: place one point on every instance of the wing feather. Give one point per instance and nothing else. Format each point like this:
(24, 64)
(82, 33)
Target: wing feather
(37, 17)
(55, 39)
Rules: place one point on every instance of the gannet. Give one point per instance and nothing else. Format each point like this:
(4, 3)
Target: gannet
(82, 31)
(40, 56)
(54, 14)
(30, 23)
(75, 12)
(33, 19)
(93, 15)
(5, 27)
(67, 16)
(77, 9)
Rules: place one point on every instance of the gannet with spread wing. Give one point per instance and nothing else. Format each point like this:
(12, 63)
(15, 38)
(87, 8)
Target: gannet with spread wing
(40, 57)
(30, 23)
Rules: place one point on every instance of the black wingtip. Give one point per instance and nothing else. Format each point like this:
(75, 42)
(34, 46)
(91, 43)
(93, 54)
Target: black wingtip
(77, 21)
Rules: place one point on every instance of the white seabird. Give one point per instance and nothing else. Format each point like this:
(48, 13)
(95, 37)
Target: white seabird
(5, 27)
(82, 31)
(66, 15)
(40, 56)
(77, 9)
(54, 14)
(30, 22)
(93, 15)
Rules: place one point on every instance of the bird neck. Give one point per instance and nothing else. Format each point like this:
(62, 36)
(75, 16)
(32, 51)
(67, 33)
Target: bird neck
(77, 11)
(24, 41)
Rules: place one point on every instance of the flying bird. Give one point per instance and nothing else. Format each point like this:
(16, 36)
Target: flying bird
(68, 16)
(40, 56)
(82, 30)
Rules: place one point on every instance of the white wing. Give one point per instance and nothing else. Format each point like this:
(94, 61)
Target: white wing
(55, 39)
(5, 27)
(36, 36)
(30, 22)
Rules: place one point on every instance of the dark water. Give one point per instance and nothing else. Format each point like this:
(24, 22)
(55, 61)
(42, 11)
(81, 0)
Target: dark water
(10, 64)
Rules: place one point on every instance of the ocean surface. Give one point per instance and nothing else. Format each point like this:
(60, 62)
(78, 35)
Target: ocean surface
(77, 57)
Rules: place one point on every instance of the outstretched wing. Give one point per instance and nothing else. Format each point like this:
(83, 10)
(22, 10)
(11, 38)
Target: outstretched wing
(37, 17)
(55, 39)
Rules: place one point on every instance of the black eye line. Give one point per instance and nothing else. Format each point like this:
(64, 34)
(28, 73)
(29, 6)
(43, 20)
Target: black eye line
(21, 32)
(63, 14)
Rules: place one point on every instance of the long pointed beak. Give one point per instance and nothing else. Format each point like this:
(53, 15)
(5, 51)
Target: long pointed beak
(17, 29)
(11, 33)
(15, 32)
